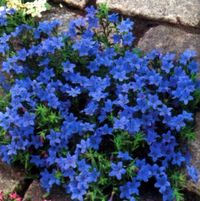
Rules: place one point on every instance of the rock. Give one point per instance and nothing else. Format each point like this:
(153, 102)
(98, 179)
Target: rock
(185, 12)
(36, 193)
(62, 14)
(74, 3)
(170, 39)
(58, 194)
(195, 152)
(10, 178)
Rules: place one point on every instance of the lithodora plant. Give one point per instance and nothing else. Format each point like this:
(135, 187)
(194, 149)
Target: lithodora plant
(88, 112)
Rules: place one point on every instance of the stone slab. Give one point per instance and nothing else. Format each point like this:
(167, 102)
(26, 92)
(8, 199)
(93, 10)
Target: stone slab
(185, 12)
(74, 3)
(10, 178)
(170, 39)
(36, 193)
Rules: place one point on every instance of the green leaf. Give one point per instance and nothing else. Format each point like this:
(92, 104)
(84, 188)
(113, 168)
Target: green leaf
(138, 52)
(178, 195)
(188, 133)
(48, 6)
(58, 175)
(27, 160)
(103, 11)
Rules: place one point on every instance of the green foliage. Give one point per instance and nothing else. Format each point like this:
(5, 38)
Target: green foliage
(2, 2)
(103, 11)
(178, 182)
(47, 119)
(178, 195)
(124, 141)
(3, 139)
(4, 100)
(188, 133)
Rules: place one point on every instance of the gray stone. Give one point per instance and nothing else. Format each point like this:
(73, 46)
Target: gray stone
(74, 3)
(62, 14)
(10, 178)
(195, 151)
(36, 193)
(170, 39)
(185, 12)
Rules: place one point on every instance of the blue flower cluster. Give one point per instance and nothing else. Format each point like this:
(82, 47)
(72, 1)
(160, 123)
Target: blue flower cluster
(76, 93)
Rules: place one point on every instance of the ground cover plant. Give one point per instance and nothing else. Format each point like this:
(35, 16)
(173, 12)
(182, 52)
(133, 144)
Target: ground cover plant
(87, 111)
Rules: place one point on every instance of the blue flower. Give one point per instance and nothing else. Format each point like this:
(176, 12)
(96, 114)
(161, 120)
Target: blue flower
(168, 137)
(77, 192)
(193, 67)
(178, 159)
(167, 62)
(193, 173)
(144, 173)
(128, 39)
(114, 18)
(45, 27)
(162, 183)
(117, 170)
(134, 126)
(129, 189)
(73, 92)
(120, 123)
(85, 46)
(68, 67)
(153, 101)
(155, 151)
(54, 138)
(37, 160)
(187, 56)
(124, 156)
(125, 26)
(67, 162)
(48, 180)
(94, 141)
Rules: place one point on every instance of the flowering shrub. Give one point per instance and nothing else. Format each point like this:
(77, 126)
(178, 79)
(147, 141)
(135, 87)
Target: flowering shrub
(93, 115)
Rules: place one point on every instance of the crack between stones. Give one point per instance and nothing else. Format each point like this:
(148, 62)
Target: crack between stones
(91, 3)
(23, 186)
